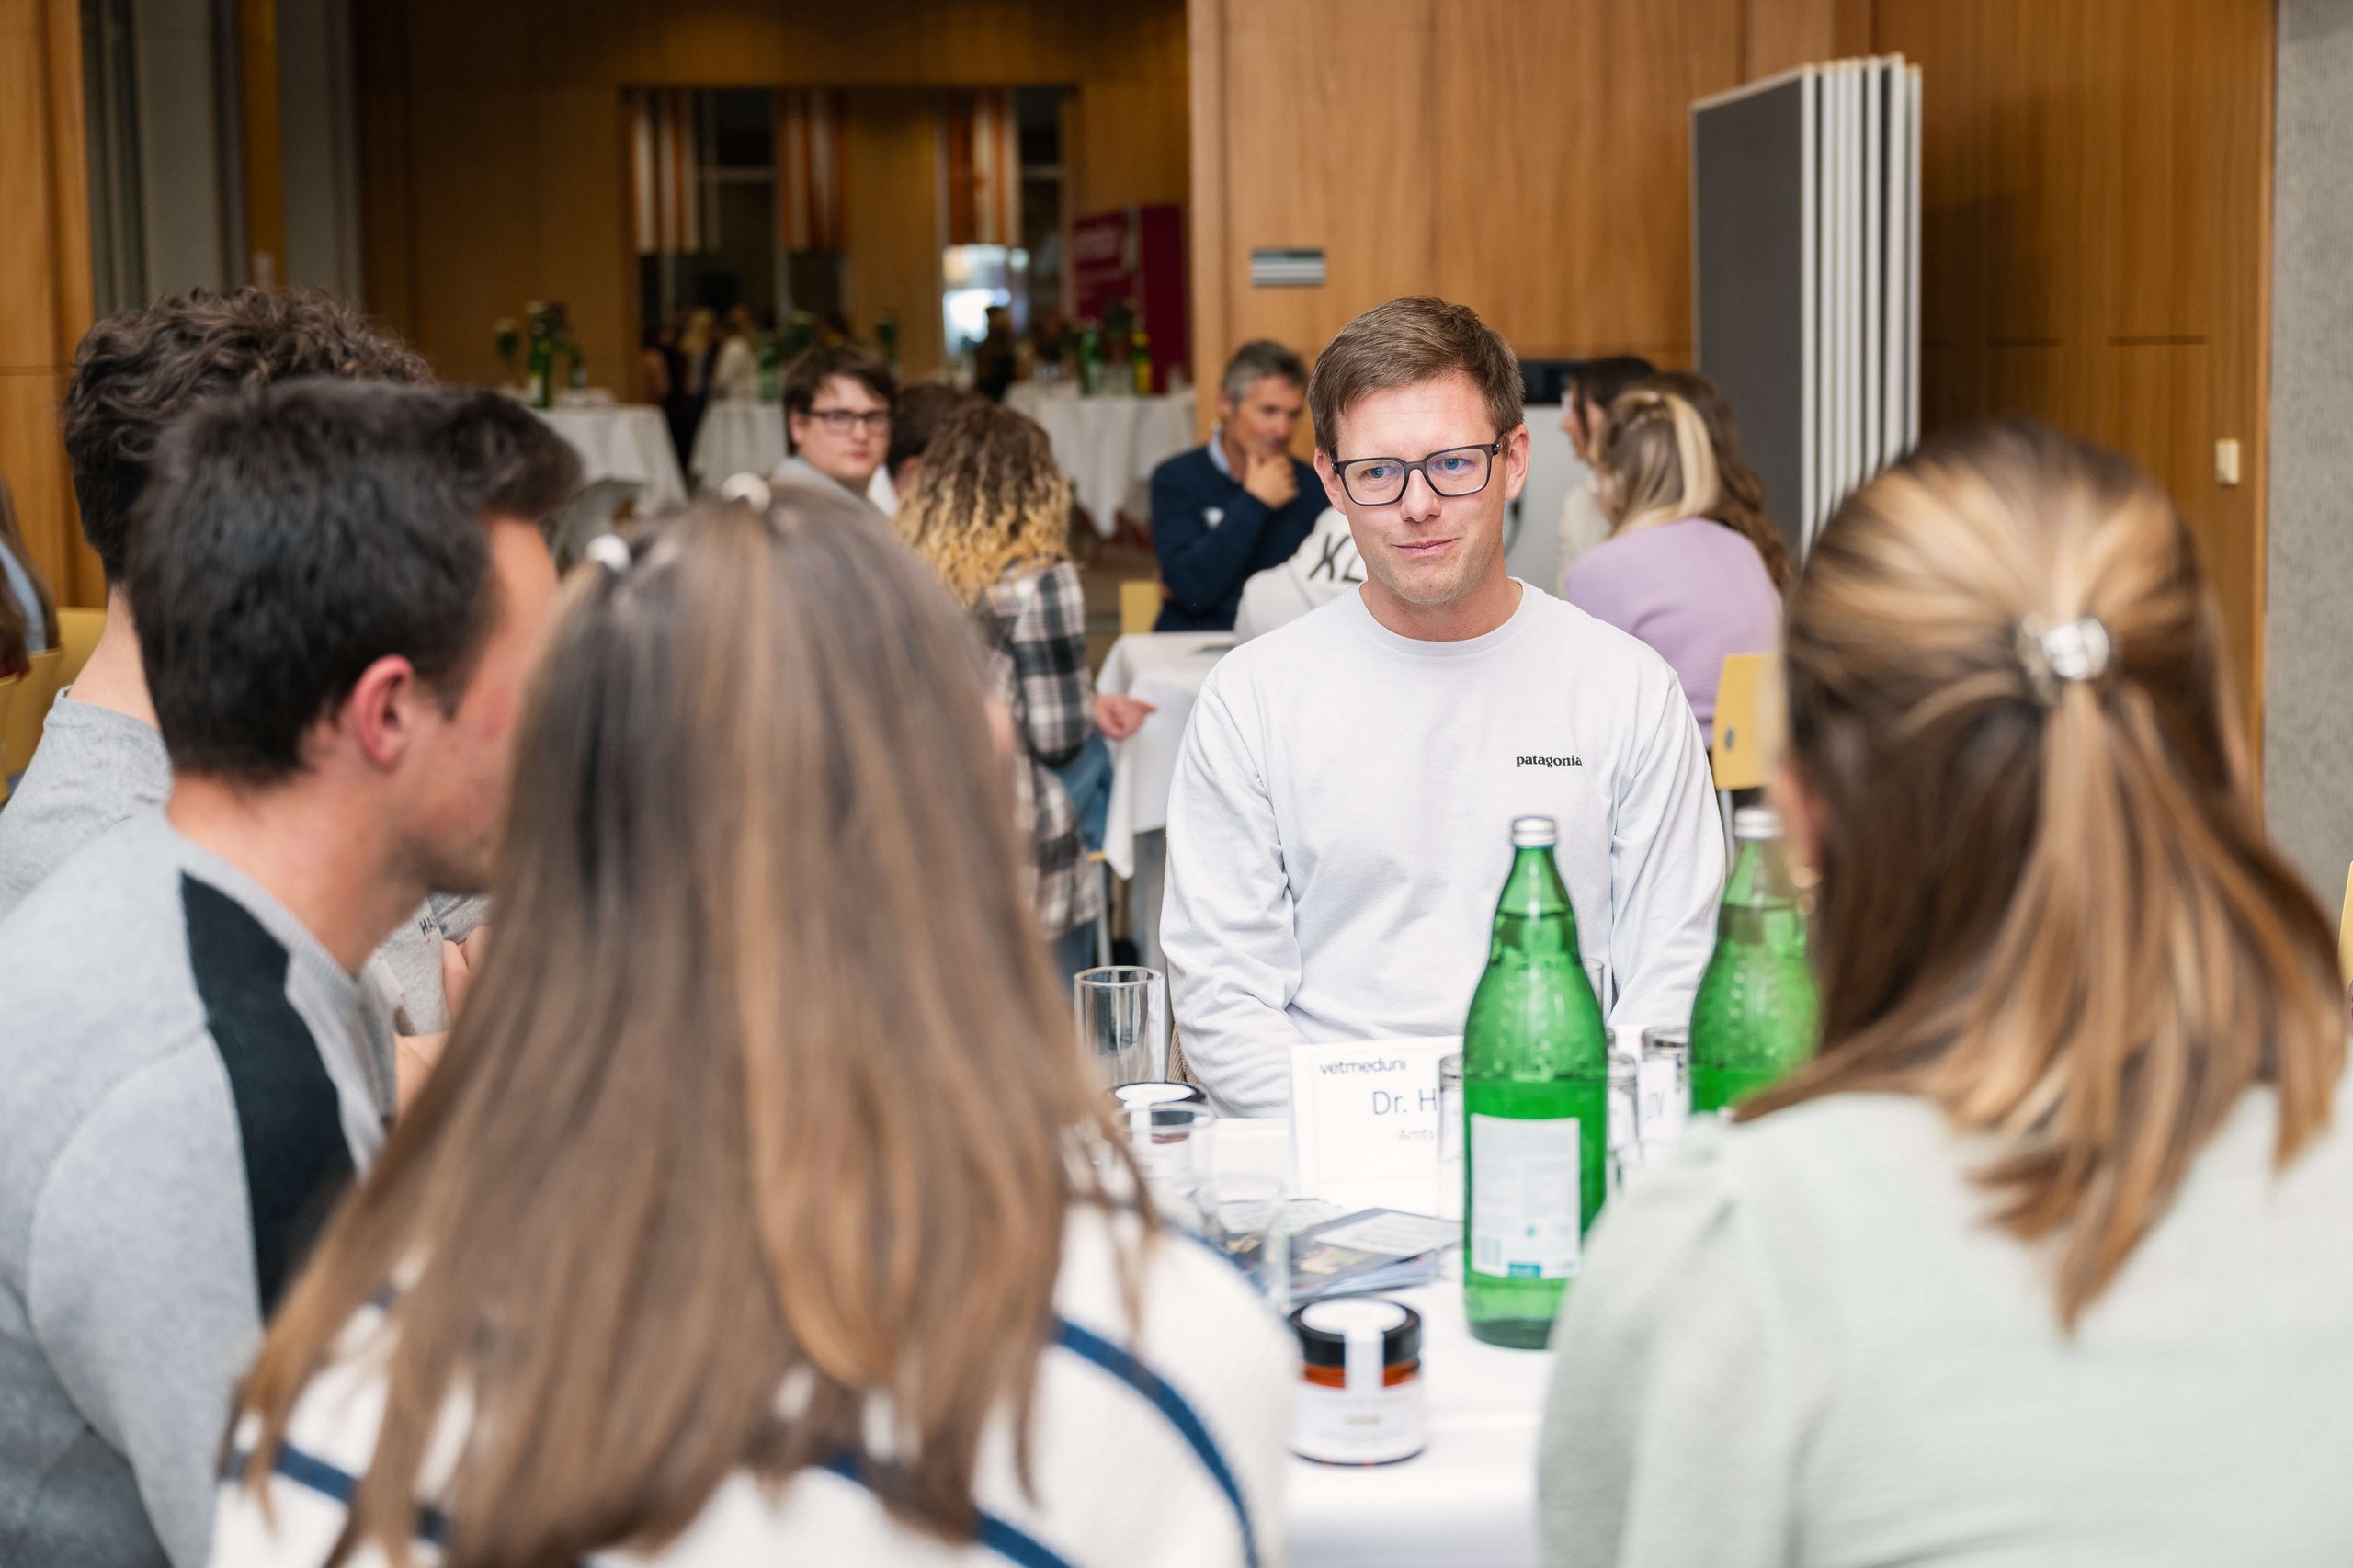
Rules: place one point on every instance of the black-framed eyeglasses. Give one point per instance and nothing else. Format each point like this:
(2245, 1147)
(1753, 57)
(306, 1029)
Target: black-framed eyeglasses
(1458, 470)
(842, 421)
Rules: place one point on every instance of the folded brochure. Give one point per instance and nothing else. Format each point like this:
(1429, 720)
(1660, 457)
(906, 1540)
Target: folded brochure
(1373, 1249)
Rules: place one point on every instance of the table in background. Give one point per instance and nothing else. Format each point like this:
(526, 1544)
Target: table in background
(1109, 446)
(1166, 669)
(737, 436)
(625, 442)
(1466, 1501)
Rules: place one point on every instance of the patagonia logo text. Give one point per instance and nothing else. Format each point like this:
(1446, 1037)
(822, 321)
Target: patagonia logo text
(1572, 760)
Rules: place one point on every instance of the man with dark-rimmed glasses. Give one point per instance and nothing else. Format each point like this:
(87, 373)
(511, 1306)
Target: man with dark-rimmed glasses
(837, 402)
(1340, 820)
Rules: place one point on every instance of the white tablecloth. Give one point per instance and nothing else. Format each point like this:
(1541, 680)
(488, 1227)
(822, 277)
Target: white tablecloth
(1109, 446)
(1166, 669)
(738, 435)
(629, 443)
(1469, 1499)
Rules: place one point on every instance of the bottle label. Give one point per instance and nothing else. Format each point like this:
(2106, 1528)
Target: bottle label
(1525, 1197)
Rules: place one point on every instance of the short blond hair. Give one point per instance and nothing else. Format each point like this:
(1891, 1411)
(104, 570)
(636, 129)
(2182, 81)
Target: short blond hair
(1403, 344)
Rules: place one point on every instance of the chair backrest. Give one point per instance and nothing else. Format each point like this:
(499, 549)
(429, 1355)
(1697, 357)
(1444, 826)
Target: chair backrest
(1748, 731)
(77, 634)
(28, 710)
(2345, 928)
(1139, 606)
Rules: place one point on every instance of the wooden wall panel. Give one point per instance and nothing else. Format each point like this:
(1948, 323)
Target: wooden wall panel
(2095, 238)
(889, 180)
(493, 152)
(1570, 229)
(44, 278)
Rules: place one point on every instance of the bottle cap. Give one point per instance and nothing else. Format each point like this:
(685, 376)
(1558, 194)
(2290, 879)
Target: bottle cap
(1534, 832)
(1757, 822)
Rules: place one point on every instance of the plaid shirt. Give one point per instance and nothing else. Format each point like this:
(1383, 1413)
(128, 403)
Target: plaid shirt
(1036, 622)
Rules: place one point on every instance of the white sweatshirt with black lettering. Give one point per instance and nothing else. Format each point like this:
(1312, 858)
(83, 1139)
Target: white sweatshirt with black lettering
(1340, 827)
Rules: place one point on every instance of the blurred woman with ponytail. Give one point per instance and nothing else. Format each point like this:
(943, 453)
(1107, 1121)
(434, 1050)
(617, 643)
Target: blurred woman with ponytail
(2044, 1259)
(761, 1211)
(1673, 572)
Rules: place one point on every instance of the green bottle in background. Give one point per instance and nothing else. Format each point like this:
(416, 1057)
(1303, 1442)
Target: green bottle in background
(540, 365)
(1536, 1103)
(1757, 1017)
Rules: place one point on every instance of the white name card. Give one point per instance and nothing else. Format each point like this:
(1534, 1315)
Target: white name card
(1364, 1122)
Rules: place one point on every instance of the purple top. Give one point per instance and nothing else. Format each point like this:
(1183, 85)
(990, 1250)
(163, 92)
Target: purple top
(1694, 590)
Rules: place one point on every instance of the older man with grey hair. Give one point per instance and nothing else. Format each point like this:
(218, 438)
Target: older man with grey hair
(1242, 503)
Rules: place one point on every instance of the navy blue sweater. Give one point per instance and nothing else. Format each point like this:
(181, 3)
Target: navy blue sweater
(1211, 534)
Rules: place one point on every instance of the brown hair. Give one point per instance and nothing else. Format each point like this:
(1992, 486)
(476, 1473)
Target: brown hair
(2046, 905)
(1740, 494)
(990, 496)
(767, 1088)
(1651, 462)
(1403, 344)
(15, 620)
(807, 375)
(139, 370)
(916, 419)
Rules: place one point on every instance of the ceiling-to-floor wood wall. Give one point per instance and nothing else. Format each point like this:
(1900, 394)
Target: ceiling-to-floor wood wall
(44, 280)
(2095, 210)
(493, 142)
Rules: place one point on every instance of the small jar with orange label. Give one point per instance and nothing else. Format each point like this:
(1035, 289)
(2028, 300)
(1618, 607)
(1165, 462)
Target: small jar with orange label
(1360, 1399)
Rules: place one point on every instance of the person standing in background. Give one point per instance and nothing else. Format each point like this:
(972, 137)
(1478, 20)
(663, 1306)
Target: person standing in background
(735, 372)
(991, 512)
(1691, 586)
(1240, 504)
(1595, 385)
(2042, 1260)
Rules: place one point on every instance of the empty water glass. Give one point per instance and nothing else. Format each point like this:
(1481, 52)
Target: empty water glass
(1171, 1143)
(1664, 1085)
(1242, 1217)
(1625, 1154)
(1123, 1018)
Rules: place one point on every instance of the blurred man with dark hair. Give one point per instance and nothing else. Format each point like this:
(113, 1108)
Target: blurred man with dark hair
(340, 591)
(837, 402)
(1240, 504)
(100, 759)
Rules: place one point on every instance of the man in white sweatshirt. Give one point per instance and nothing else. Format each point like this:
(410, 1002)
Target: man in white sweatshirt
(1340, 823)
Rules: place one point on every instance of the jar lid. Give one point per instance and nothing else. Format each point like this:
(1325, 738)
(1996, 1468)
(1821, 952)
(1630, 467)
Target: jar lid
(1323, 1328)
(1135, 1096)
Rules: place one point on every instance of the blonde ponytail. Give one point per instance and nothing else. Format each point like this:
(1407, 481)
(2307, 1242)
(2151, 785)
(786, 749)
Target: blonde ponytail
(2046, 905)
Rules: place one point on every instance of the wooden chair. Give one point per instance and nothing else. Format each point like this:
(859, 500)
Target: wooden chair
(77, 634)
(26, 711)
(1747, 727)
(1139, 606)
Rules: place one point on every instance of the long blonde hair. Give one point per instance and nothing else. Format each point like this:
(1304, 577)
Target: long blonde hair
(2046, 903)
(989, 497)
(1653, 462)
(766, 1085)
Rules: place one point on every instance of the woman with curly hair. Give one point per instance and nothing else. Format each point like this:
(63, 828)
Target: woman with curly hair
(990, 512)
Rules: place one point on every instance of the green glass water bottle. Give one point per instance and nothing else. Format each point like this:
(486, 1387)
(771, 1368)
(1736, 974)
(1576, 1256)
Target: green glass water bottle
(1536, 1103)
(1757, 1017)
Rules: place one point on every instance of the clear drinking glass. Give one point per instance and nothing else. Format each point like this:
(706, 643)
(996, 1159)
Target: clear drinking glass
(1172, 1149)
(1448, 1200)
(1242, 1217)
(1123, 1018)
(1625, 1120)
(1665, 1087)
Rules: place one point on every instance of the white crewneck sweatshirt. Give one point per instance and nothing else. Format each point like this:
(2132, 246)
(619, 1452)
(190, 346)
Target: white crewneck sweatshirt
(1340, 827)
